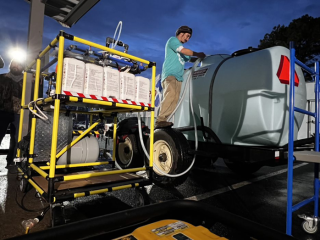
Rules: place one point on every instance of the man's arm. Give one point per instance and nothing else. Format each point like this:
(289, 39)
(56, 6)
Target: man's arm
(189, 52)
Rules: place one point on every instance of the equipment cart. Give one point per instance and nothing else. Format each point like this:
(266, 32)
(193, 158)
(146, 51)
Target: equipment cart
(39, 153)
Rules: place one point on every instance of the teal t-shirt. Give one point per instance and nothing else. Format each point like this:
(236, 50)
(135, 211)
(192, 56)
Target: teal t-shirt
(174, 60)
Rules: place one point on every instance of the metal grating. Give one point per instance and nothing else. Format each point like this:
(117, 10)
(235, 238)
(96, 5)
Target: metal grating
(43, 137)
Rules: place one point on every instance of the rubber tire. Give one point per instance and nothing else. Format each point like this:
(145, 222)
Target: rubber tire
(242, 168)
(180, 157)
(141, 197)
(137, 157)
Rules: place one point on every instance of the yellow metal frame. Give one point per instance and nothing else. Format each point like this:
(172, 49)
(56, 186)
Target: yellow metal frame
(48, 172)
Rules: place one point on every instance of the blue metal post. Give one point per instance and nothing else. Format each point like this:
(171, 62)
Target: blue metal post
(290, 141)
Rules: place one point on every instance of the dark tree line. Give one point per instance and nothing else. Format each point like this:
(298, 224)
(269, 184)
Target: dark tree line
(304, 31)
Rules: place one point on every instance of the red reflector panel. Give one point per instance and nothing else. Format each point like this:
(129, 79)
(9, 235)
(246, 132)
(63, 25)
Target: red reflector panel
(283, 71)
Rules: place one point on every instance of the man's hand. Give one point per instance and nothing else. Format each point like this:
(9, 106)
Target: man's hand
(189, 52)
(199, 55)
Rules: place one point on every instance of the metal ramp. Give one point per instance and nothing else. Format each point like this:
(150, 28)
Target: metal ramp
(310, 223)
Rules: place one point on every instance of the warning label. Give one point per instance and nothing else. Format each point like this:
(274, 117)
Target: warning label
(200, 73)
(170, 228)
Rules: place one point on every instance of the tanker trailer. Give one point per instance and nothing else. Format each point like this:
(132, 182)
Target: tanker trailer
(240, 111)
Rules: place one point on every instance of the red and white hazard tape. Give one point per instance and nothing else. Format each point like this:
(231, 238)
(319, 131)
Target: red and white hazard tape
(82, 95)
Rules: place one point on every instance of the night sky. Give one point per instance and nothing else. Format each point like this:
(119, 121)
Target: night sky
(218, 26)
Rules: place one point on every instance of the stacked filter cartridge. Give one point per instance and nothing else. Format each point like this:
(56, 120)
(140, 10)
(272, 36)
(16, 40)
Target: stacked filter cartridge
(92, 79)
(93, 83)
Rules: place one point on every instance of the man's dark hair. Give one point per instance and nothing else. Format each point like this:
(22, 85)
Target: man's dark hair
(184, 29)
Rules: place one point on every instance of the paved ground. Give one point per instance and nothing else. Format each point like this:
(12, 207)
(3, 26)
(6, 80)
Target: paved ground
(260, 197)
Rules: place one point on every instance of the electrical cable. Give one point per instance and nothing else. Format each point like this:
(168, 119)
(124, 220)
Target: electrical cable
(43, 117)
(21, 205)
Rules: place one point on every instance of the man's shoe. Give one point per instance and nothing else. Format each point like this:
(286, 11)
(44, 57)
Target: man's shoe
(163, 124)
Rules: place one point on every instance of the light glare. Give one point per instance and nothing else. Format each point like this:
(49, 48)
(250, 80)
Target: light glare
(17, 54)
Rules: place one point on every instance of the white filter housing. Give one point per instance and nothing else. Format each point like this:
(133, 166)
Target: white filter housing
(73, 75)
(84, 151)
(93, 83)
(127, 86)
(142, 89)
(111, 83)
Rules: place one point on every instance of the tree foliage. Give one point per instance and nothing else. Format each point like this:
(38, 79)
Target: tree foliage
(304, 32)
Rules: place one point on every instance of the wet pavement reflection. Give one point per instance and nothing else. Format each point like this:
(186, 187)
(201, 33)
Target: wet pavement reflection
(260, 197)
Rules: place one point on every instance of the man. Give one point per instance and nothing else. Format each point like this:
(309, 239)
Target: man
(172, 71)
(10, 102)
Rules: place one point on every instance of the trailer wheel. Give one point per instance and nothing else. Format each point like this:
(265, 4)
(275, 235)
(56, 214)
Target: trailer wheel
(242, 168)
(128, 154)
(170, 154)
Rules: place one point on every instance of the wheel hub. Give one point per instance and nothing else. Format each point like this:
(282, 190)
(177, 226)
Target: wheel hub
(162, 157)
(125, 151)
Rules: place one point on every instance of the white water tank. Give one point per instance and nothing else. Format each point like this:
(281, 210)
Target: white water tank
(93, 83)
(84, 151)
(248, 104)
(73, 75)
(142, 89)
(111, 83)
(127, 86)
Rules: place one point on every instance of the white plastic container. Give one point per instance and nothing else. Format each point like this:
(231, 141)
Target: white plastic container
(93, 83)
(127, 86)
(142, 89)
(111, 83)
(84, 151)
(73, 75)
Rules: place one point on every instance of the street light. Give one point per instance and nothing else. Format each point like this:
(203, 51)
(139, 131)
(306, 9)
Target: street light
(17, 54)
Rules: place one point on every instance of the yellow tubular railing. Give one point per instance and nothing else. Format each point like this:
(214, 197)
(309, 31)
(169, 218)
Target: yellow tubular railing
(55, 126)
(77, 139)
(38, 170)
(77, 195)
(24, 83)
(110, 50)
(31, 182)
(153, 88)
(34, 120)
(76, 165)
(98, 174)
(47, 49)
(115, 121)
(47, 100)
(35, 186)
(98, 102)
